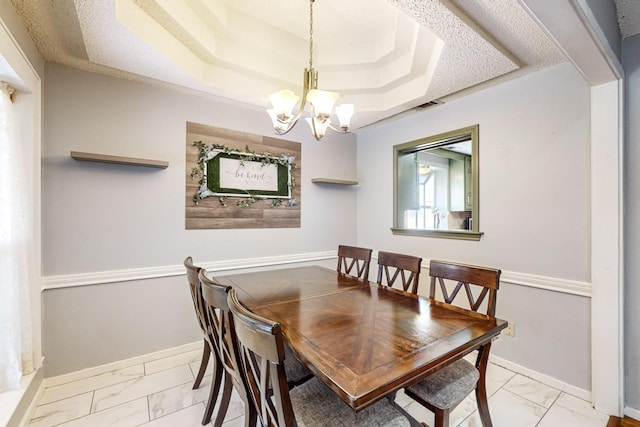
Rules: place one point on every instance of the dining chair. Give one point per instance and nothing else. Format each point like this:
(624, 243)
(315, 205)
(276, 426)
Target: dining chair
(392, 265)
(262, 357)
(446, 388)
(353, 256)
(225, 344)
(220, 325)
(198, 304)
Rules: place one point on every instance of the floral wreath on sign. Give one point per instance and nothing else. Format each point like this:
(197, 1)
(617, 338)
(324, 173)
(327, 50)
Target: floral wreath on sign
(270, 176)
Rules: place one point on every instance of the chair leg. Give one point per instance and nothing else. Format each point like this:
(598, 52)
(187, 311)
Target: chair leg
(250, 415)
(481, 388)
(441, 418)
(224, 401)
(213, 391)
(412, 421)
(206, 352)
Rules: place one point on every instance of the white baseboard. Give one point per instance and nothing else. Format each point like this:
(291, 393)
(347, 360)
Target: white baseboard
(97, 370)
(632, 413)
(544, 379)
(26, 417)
(120, 364)
(12, 402)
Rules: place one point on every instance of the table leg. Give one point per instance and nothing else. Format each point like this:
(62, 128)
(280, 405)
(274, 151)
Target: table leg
(481, 387)
(412, 421)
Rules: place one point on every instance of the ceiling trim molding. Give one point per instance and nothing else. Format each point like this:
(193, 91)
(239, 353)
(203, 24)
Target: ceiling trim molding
(599, 38)
(577, 35)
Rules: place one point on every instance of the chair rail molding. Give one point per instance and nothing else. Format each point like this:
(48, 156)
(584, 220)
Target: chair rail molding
(125, 275)
(555, 284)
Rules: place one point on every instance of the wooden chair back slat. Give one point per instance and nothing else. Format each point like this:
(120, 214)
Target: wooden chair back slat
(466, 276)
(220, 323)
(352, 256)
(481, 276)
(407, 267)
(262, 355)
(225, 343)
(196, 294)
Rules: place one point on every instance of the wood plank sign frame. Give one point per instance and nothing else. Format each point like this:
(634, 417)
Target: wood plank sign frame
(240, 180)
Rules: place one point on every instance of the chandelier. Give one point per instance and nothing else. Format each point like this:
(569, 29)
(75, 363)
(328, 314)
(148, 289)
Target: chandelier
(320, 101)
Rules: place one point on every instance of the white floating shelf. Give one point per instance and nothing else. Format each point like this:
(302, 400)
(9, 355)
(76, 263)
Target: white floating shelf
(333, 181)
(119, 160)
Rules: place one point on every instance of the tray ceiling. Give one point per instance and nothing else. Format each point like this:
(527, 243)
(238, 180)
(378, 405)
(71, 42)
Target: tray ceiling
(384, 56)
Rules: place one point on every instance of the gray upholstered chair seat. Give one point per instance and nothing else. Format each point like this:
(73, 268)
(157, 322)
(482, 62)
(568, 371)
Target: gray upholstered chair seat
(449, 386)
(314, 404)
(295, 371)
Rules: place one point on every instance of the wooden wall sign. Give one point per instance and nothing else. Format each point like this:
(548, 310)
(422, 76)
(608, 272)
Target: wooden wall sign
(240, 180)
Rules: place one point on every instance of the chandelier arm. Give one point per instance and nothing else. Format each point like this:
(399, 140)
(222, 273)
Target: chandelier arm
(292, 123)
(340, 130)
(285, 120)
(312, 122)
(314, 131)
(303, 103)
(307, 85)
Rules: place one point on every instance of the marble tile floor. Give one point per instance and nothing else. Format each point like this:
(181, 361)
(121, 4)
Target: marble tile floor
(158, 393)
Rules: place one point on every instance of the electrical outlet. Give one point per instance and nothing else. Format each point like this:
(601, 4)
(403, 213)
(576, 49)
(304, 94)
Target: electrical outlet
(511, 329)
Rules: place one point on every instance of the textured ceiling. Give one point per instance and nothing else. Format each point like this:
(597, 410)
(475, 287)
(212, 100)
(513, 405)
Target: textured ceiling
(384, 56)
(628, 17)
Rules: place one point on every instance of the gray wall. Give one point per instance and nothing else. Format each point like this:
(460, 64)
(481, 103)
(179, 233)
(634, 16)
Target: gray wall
(104, 217)
(631, 64)
(534, 207)
(93, 325)
(109, 219)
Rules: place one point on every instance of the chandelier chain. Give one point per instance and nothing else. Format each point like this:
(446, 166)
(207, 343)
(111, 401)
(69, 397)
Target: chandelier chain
(320, 102)
(311, 34)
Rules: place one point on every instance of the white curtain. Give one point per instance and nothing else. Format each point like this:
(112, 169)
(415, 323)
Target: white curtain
(16, 244)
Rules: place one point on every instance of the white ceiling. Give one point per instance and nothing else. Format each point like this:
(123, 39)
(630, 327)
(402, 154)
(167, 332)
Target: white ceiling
(385, 56)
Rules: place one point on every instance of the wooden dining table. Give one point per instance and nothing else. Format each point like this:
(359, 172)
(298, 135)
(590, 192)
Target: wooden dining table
(365, 341)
